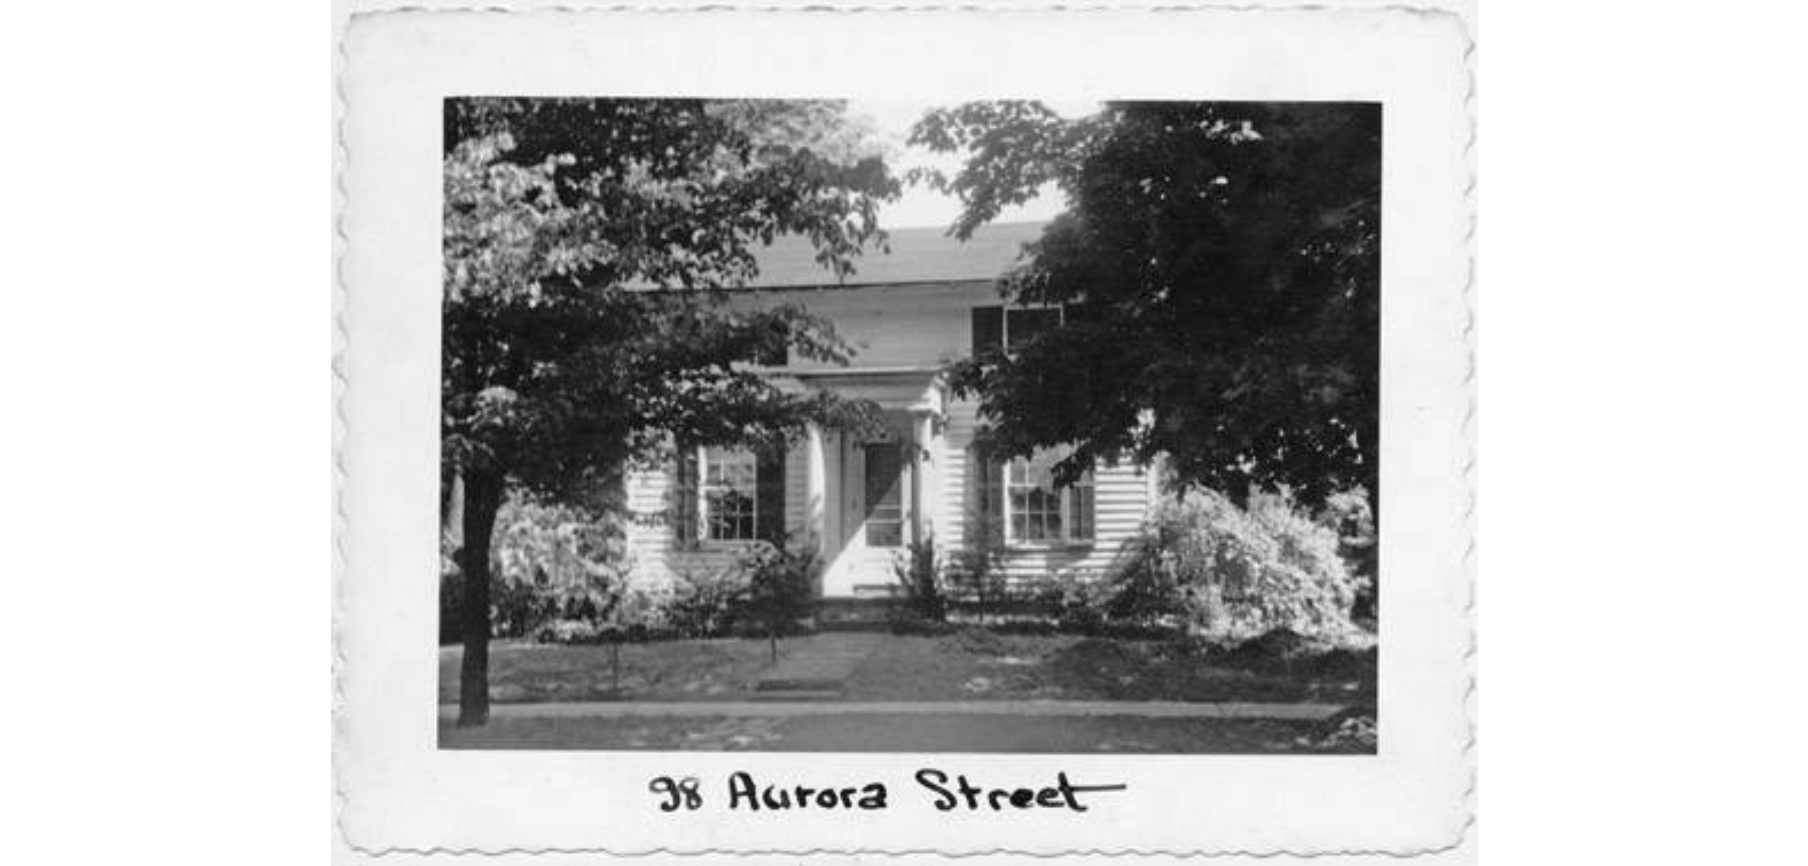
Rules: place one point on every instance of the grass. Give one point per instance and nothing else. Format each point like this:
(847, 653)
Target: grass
(686, 670)
(941, 734)
(978, 665)
(974, 664)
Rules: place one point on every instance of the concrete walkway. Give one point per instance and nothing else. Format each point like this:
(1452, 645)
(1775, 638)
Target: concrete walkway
(817, 668)
(1301, 712)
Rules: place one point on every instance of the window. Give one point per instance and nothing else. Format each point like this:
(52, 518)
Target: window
(1011, 328)
(730, 495)
(1038, 513)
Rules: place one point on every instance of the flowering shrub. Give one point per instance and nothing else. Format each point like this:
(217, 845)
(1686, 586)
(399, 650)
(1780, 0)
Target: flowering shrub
(1347, 513)
(574, 560)
(1233, 574)
(549, 563)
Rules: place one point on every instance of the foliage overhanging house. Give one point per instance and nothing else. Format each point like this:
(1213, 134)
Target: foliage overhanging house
(905, 314)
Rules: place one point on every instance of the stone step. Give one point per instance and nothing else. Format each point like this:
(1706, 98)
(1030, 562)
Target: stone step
(854, 609)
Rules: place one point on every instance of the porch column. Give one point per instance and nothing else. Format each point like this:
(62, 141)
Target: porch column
(815, 489)
(923, 466)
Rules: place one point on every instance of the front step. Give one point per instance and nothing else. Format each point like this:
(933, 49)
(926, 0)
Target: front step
(854, 614)
(851, 605)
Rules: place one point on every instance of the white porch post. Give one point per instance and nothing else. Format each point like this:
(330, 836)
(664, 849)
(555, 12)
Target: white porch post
(923, 508)
(815, 490)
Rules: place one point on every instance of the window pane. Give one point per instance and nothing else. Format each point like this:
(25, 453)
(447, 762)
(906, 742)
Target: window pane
(1082, 511)
(884, 495)
(883, 465)
(728, 492)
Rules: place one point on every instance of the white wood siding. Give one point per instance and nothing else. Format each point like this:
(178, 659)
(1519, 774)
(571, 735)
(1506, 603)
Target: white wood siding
(914, 325)
(892, 326)
(1120, 494)
(652, 542)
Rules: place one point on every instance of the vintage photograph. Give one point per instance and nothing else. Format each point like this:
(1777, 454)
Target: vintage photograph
(861, 426)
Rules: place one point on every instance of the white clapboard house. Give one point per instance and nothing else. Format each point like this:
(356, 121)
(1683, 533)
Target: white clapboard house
(862, 500)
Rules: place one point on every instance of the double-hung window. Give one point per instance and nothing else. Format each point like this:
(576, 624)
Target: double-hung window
(730, 495)
(1010, 328)
(1038, 513)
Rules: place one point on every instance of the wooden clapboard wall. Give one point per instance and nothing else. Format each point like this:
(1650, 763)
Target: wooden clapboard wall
(914, 325)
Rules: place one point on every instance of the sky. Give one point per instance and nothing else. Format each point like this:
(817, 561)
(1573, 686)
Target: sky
(922, 207)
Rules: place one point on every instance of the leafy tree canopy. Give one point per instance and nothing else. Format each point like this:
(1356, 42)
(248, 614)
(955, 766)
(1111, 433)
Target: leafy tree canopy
(1221, 263)
(559, 214)
(559, 360)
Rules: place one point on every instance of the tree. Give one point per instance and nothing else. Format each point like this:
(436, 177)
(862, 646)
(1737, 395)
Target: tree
(558, 366)
(1220, 266)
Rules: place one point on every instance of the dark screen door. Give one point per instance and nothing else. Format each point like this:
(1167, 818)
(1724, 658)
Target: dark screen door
(884, 495)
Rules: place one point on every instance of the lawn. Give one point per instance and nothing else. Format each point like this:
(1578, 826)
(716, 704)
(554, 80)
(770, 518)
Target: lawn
(939, 733)
(968, 665)
(685, 670)
(979, 665)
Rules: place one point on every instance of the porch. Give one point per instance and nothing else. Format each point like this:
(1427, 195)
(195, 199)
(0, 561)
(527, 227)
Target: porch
(868, 498)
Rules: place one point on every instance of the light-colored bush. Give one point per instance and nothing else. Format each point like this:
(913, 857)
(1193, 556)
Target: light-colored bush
(1232, 574)
(548, 563)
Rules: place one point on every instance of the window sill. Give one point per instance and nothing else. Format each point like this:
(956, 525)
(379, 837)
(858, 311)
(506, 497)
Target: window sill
(731, 546)
(1047, 546)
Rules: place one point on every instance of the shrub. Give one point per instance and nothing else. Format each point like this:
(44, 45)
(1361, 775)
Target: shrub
(573, 560)
(923, 627)
(1066, 599)
(1347, 513)
(706, 603)
(1081, 602)
(977, 580)
(567, 631)
(1233, 574)
(548, 563)
(920, 575)
(781, 589)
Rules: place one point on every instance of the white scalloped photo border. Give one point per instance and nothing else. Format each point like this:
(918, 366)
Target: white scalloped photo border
(395, 792)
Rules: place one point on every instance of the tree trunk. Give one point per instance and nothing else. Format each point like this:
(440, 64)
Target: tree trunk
(483, 497)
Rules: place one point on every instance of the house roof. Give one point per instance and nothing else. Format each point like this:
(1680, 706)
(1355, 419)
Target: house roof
(917, 255)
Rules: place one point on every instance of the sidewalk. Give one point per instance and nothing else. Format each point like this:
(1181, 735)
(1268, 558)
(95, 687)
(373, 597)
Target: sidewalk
(966, 727)
(817, 668)
(1297, 712)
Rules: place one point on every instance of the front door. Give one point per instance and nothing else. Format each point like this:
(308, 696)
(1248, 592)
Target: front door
(882, 507)
(874, 517)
